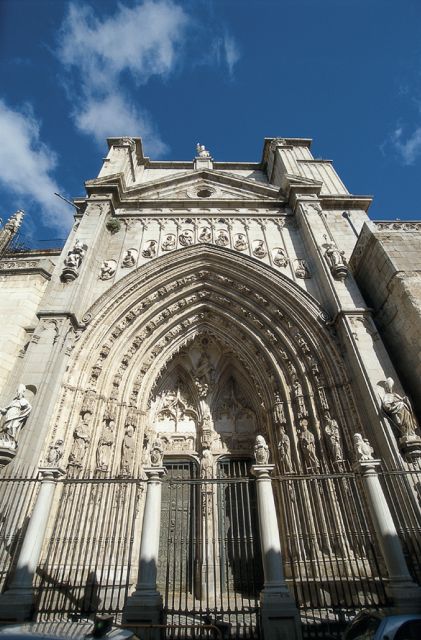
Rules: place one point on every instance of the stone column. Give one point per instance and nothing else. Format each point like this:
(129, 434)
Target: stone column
(280, 615)
(17, 602)
(404, 592)
(144, 606)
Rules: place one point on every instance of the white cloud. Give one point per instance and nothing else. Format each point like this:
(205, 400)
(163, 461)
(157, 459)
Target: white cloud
(232, 52)
(27, 166)
(114, 116)
(143, 41)
(410, 149)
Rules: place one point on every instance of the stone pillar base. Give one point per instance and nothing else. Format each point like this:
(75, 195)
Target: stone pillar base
(405, 595)
(280, 617)
(16, 605)
(144, 607)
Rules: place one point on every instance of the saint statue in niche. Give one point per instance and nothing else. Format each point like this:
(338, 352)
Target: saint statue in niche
(284, 448)
(333, 438)
(399, 410)
(16, 413)
(308, 446)
(127, 450)
(104, 450)
(207, 465)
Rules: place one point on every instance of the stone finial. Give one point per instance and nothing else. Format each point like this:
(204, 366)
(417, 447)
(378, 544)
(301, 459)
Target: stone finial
(201, 151)
(261, 451)
(363, 449)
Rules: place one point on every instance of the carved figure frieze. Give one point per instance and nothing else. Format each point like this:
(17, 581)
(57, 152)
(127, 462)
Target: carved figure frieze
(150, 249)
(301, 269)
(105, 444)
(108, 269)
(222, 238)
(169, 242)
(205, 234)
(129, 258)
(73, 261)
(261, 450)
(55, 453)
(259, 249)
(284, 448)
(308, 446)
(280, 257)
(15, 415)
(186, 238)
(363, 449)
(240, 242)
(81, 440)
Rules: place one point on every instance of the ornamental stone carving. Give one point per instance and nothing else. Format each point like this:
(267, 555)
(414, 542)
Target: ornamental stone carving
(280, 257)
(301, 269)
(308, 447)
(108, 269)
(399, 411)
(201, 151)
(156, 454)
(129, 259)
(169, 242)
(205, 234)
(363, 449)
(127, 451)
(261, 451)
(105, 444)
(15, 415)
(259, 249)
(73, 261)
(186, 238)
(284, 448)
(240, 242)
(149, 249)
(81, 440)
(55, 453)
(333, 438)
(222, 238)
(336, 261)
(207, 466)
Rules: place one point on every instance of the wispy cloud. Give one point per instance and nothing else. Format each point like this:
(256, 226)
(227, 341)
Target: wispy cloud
(104, 58)
(27, 167)
(138, 42)
(409, 149)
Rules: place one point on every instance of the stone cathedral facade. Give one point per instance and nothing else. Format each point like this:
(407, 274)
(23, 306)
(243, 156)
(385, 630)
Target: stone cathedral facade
(210, 402)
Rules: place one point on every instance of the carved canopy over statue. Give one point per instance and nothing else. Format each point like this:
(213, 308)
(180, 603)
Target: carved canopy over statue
(16, 413)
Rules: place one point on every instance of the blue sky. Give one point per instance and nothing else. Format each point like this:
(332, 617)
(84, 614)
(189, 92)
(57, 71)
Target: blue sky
(227, 73)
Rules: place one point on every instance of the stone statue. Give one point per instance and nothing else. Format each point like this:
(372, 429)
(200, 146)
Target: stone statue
(81, 440)
(222, 239)
(75, 256)
(55, 453)
(169, 242)
(127, 450)
(284, 448)
(278, 410)
(333, 438)
(336, 260)
(129, 259)
(280, 257)
(363, 449)
(204, 374)
(108, 269)
(398, 410)
(240, 242)
(186, 238)
(15, 415)
(302, 270)
(105, 443)
(201, 151)
(149, 249)
(156, 453)
(259, 249)
(308, 446)
(207, 465)
(205, 235)
(261, 451)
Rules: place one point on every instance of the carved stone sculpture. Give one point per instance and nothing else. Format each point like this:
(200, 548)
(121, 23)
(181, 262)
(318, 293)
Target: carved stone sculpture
(222, 238)
(301, 269)
(280, 257)
(186, 238)
(240, 242)
(73, 261)
(363, 449)
(108, 269)
(336, 261)
(104, 449)
(399, 410)
(284, 448)
(259, 249)
(129, 259)
(149, 249)
(308, 446)
(81, 440)
(156, 453)
(15, 415)
(55, 453)
(205, 235)
(261, 451)
(333, 438)
(207, 467)
(169, 242)
(204, 373)
(127, 450)
(201, 151)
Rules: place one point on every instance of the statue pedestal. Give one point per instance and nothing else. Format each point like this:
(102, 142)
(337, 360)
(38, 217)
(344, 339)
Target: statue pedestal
(7, 454)
(410, 447)
(69, 274)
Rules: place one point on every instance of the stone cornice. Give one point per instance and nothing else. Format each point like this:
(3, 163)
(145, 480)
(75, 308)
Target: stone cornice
(28, 266)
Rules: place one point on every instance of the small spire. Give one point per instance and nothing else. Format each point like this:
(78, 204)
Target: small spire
(15, 221)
